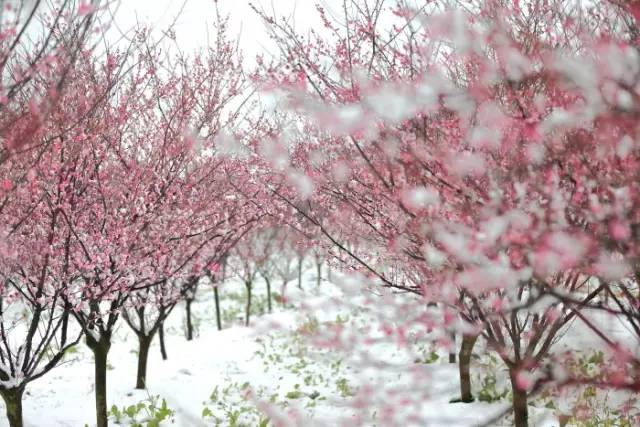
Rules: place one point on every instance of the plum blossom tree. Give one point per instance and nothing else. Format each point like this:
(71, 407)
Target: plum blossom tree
(155, 198)
(192, 100)
(45, 96)
(477, 155)
(252, 258)
(281, 264)
(461, 142)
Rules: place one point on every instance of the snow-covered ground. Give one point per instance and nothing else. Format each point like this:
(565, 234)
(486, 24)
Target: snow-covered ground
(222, 377)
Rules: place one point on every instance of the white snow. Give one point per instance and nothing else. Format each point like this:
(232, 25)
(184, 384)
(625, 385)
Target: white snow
(241, 367)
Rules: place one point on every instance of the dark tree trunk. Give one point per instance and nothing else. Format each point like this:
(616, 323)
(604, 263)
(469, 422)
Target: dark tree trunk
(189, 322)
(464, 364)
(452, 352)
(216, 297)
(266, 279)
(520, 408)
(143, 355)
(163, 348)
(100, 351)
(13, 401)
(247, 312)
(319, 273)
(283, 298)
(300, 259)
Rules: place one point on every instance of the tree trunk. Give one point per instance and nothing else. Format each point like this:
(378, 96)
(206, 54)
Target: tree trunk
(283, 299)
(143, 356)
(13, 401)
(452, 352)
(266, 279)
(520, 408)
(163, 348)
(216, 297)
(300, 273)
(319, 273)
(189, 323)
(464, 364)
(247, 312)
(100, 351)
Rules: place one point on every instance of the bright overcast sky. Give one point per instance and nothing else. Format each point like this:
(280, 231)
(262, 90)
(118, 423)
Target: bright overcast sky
(198, 15)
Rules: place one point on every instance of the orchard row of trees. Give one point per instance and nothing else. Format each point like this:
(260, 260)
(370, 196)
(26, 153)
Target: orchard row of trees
(488, 150)
(114, 197)
(479, 155)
